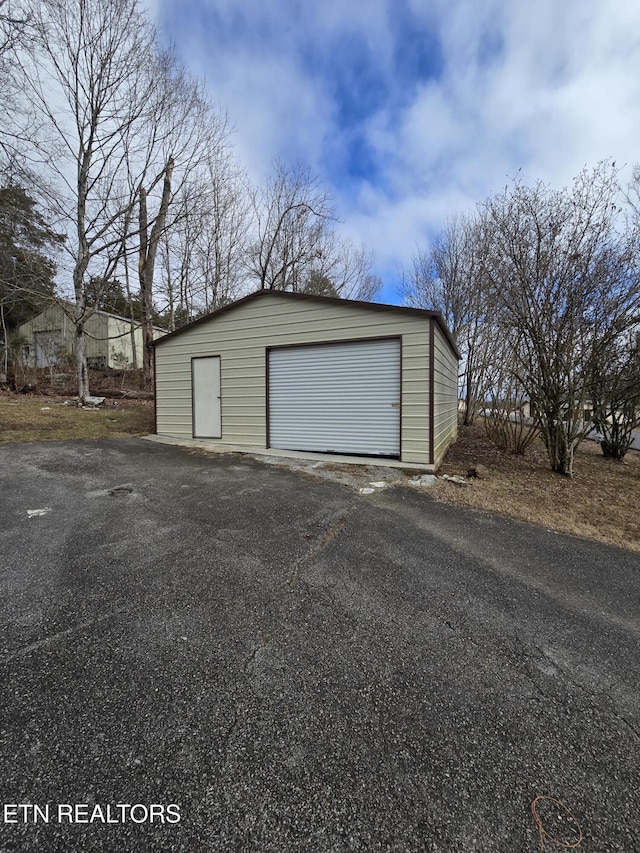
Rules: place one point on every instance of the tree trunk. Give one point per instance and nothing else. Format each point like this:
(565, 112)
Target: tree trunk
(146, 301)
(146, 263)
(559, 448)
(132, 334)
(617, 435)
(613, 450)
(170, 293)
(5, 347)
(81, 363)
(82, 371)
(468, 398)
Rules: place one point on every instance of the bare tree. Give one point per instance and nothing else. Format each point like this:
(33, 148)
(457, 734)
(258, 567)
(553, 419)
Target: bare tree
(563, 272)
(507, 415)
(203, 253)
(342, 269)
(175, 273)
(184, 133)
(449, 277)
(15, 121)
(296, 246)
(221, 250)
(149, 242)
(85, 79)
(292, 212)
(121, 127)
(614, 388)
(14, 20)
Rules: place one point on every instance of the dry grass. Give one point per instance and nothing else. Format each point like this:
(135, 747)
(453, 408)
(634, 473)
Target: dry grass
(49, 419)
(601, 501)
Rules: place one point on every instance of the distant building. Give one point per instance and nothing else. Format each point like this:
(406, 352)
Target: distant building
(50, 339)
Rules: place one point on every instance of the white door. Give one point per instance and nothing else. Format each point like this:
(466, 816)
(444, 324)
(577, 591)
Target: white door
(336, 398)
(205, 395)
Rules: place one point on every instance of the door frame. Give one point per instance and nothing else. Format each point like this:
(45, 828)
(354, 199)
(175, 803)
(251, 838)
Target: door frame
(361, 340)
(193, 394)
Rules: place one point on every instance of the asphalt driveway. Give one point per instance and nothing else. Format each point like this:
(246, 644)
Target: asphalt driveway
(256, 660)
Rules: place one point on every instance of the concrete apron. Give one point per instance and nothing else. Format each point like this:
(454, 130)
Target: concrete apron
(338, 459)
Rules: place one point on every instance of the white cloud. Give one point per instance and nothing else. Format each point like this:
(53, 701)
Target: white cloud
(277, 112)
(546, 88)
(563, 91)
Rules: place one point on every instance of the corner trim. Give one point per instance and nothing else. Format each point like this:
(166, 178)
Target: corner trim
(155, 397)
(432, 352)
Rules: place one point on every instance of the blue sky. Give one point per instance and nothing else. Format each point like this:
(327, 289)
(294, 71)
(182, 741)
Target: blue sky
(412, 110)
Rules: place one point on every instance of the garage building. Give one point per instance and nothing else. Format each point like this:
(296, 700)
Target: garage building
(286, 371)
(111, 341)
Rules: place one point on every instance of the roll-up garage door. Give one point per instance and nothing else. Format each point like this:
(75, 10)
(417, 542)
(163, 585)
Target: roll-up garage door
(336, 398)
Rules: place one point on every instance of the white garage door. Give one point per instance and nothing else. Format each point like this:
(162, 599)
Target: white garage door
(336, 398)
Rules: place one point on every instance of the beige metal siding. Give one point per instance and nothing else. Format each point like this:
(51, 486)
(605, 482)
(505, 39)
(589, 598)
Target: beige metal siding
(96, 329)
(119, 344)
(445, 395)
(240, 337)
(54, 319)
(107, 336)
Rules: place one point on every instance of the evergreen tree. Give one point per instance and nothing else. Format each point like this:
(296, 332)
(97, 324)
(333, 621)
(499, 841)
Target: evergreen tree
(26, 269)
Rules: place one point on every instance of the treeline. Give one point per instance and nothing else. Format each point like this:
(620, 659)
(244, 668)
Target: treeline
(541, 288)
(137, 188)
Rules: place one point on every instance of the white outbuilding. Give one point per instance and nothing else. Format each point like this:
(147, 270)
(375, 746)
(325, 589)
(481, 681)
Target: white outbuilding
(288, 372)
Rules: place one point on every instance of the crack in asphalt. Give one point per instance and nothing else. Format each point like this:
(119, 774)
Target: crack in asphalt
(514, 571)
(249, 662)
(290, 584)
(226, 738)
(591, 693)
(53, 638)
(570, 680)
(634, 731)
(327, 537)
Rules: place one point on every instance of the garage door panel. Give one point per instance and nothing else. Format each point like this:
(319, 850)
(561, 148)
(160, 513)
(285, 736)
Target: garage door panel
(336, 398)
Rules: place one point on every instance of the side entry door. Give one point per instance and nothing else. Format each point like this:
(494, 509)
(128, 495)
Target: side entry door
(205, 397)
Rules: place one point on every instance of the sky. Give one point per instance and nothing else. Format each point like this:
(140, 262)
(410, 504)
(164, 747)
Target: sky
(410, 111)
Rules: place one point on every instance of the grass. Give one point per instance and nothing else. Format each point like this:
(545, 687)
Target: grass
(600, 502)
(49, 419)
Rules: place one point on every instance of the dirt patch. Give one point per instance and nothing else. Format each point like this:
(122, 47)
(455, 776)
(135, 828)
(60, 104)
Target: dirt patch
(601, 501)
(354, 476)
